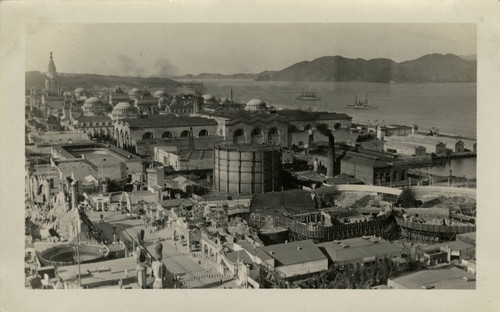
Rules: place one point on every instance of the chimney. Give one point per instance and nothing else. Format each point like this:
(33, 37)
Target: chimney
(330, 163)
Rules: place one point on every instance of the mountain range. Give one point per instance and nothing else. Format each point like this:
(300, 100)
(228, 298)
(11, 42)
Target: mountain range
(91, 81)
(428, 68)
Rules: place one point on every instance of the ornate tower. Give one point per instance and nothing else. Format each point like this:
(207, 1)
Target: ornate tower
(51, 79)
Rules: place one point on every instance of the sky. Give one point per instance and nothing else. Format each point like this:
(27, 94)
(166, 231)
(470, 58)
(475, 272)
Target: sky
(166, 50)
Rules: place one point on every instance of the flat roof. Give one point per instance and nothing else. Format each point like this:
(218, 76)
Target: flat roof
(454, 245)
(471, 235)
(293, 201)
(359, 248)
(78, 167)
(442, 278)
(294, 252)
(109, 271)
(364, 160)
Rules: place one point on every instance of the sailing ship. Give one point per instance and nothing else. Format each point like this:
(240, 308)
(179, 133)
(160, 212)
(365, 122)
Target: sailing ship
(308, 96)
(360, 104)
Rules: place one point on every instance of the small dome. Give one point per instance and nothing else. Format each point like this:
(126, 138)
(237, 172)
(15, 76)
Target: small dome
(123, 105)
(208, 97)
(160, 93)
(92, 100)
(79, 90)
(255, 102)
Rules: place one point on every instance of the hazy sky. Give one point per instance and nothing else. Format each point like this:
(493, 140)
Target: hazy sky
(176, 49)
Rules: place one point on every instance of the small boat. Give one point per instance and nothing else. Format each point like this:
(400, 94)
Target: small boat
(360, 104)
(308, 96)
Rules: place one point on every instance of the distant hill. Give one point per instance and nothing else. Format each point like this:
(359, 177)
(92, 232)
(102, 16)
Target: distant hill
(429, 68)
(472, 57)
(89, 81)
(217, 76)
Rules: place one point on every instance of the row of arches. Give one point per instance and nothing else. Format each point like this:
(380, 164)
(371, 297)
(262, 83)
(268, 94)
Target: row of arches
(168, 134)
(257, 136)
(122, 138)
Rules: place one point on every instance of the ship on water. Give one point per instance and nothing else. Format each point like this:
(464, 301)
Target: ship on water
(360, 104)
(308, 96)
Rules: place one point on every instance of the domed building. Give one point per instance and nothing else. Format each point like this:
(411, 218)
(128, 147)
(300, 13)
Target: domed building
(79, 91)
(208, 99)
(124, 110)
(160, 93)
(94, 107)
(255, 105)
(135, 93)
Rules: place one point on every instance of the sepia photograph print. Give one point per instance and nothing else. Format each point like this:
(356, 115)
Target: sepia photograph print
(337, 156)
(243, 156)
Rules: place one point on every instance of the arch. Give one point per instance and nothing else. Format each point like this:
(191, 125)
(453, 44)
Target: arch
(337, 126)
(403, 175)
(239, 136)
(307, 127)
(202, 133)
(147, 136)
(126, 139)
(121, 139)
(257, 136)
(185, 134)
(273, 136)
(166, 135)
(117, 137)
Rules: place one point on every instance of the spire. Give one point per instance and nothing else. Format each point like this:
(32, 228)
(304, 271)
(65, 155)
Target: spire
(52, 65)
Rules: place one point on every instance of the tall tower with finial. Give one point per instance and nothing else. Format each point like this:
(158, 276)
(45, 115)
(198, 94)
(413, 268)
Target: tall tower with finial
(51, 78)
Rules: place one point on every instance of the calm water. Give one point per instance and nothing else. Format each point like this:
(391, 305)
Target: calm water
(450, 107)
(465, 167)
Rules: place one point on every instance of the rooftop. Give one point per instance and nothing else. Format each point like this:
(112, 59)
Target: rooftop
(366, 160)
(163, 121)
(232, 114)
(60, 137)
(300, 115)
(294, 252)
(83, 119)
(293, 201)
(442, 278)
(359, 248)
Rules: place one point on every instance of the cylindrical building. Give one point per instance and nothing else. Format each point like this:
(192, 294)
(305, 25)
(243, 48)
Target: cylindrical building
(247, 169)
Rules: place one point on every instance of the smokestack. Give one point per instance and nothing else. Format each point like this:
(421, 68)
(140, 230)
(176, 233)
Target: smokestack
(330, 163)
